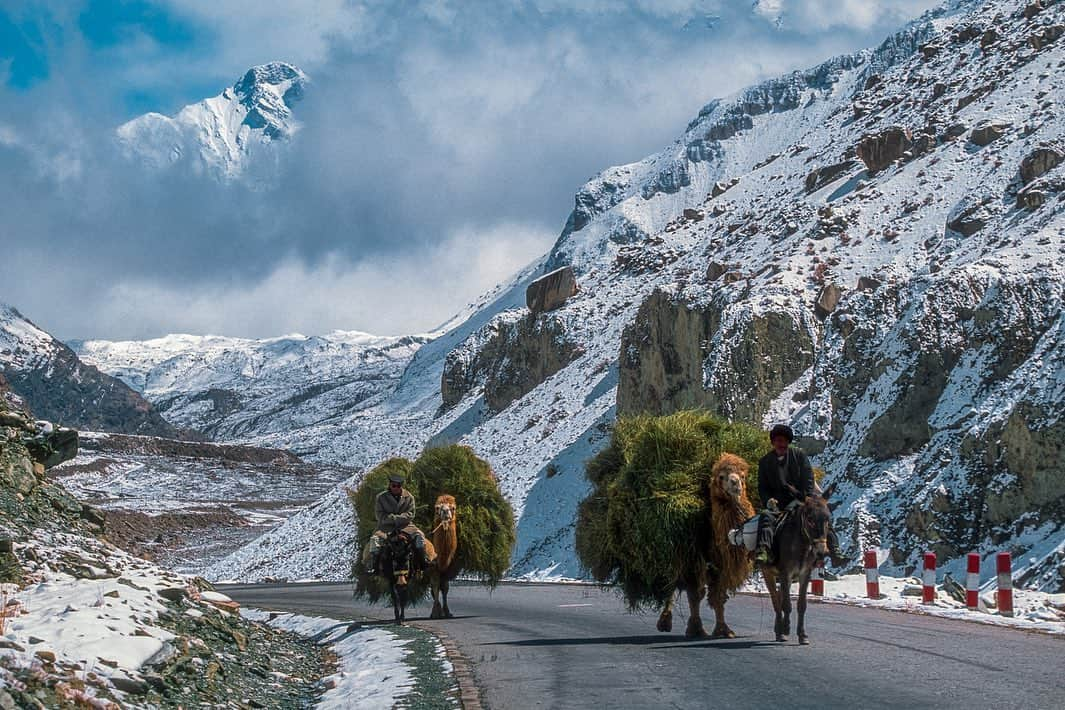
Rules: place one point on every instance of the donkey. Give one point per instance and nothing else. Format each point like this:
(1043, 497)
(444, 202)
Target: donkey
(799, 544)
(395, 566)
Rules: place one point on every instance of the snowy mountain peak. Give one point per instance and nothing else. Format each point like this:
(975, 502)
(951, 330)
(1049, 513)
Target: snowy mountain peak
(221, 134)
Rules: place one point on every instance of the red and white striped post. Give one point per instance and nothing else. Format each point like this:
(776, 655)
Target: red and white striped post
(928, 588)
(872, 575)
(972, 582)
(817, 583)
(1004, 567)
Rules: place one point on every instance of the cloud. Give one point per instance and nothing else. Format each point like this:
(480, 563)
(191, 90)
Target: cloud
(441, 146)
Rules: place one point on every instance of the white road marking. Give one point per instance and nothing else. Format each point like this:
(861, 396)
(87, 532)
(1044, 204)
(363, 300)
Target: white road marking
(569, 606)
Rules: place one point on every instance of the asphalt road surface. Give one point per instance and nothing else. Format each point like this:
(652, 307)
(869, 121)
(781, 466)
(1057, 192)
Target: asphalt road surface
(575, 646)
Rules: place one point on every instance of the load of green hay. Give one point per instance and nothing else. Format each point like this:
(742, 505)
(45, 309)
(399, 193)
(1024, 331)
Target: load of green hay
(486, 532)
(647, 518)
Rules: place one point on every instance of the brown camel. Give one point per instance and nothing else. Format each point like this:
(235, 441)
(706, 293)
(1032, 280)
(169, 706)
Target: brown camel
(727, 566)
(445, 568)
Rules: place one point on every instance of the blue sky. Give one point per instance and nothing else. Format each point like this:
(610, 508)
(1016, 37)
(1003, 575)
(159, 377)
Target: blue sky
(441, 145)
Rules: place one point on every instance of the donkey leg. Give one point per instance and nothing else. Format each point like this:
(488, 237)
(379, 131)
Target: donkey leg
(804, 582)
(774, 597)
(785, 608)
(665, 619)
(695, 620)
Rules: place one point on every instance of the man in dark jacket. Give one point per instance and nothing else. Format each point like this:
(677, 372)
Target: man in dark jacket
(785, 477)
(394, 510)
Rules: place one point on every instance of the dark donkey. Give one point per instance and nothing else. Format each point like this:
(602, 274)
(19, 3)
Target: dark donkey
(800, 543)
(396, 568)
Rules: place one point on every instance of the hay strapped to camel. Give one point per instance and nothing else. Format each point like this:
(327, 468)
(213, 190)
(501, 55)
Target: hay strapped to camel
(647, 521)
(486, 529)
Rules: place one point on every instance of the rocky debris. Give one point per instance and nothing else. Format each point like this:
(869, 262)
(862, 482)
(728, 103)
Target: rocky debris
(988, 131)
(158, 446)
(1033, 9)
(827, 300)
(1036, 193)
(1040, 161)
(988, 38)
(715, 270)
(693, 215)
(881, 149)
(551, 291)
(821, 176)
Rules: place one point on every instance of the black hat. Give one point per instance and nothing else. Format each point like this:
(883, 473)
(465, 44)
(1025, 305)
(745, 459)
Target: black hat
(395, 478)
(782, 430)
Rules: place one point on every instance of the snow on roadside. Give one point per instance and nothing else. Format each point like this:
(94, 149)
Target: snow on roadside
(1033, 611)
(373, 671)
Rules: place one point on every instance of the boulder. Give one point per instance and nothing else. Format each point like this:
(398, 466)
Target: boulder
(821, 176)
(693, 215)
(54, 447)
(879, 150)
(1040, 161)
(551, 290)
(868, 283)
(827, 300)
(715, 270)
(989, 37)
(1046, 36)
(1033, 9)
(988, 131)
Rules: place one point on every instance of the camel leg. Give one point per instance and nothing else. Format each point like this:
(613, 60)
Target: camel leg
(665, 619)
(695, 621)
(434, 582)
(716, 598)
(804, 582)
(445, 584)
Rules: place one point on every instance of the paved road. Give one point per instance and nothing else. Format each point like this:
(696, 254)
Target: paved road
(568, 646)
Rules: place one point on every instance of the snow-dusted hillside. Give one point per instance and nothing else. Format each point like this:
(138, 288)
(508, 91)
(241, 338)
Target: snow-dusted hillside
(870, 249)
(48, 376)
(220, 134)
(287, 392)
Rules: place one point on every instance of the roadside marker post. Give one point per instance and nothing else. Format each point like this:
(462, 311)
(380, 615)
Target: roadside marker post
(872, 575)
(817, 583)
(928, 588)
(972, 582)
(1004, 567)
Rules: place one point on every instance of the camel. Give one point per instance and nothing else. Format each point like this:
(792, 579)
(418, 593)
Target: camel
(727, 566)
(446, 542)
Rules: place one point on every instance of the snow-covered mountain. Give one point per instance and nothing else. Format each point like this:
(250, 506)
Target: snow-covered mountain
(869, 249)
(270, 392)
(219, 135)
(51, 380)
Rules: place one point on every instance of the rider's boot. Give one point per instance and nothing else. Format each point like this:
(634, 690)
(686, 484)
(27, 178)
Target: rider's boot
(762, 554)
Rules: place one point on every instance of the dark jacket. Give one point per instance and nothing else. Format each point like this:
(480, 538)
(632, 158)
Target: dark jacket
(392, 512)
(798, 473)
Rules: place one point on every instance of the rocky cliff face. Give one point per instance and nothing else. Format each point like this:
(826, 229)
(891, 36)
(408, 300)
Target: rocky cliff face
(59, 387)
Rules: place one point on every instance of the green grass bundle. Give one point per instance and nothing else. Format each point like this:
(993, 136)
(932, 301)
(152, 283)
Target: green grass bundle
(647, 517)
(486, 532)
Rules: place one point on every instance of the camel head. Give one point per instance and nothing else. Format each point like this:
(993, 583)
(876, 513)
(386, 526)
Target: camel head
(729, 478)
(445, 510)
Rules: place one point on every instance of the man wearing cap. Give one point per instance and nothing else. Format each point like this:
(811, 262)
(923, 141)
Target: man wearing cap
(785, 477)
(394, 511)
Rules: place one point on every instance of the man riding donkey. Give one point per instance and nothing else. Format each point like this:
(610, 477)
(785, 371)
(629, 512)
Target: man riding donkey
(394, 511)
(785, 478)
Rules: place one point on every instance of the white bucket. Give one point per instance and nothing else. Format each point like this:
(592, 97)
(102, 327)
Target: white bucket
(746, 536)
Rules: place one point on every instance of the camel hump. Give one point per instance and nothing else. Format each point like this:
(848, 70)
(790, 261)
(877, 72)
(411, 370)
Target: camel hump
(445, 499)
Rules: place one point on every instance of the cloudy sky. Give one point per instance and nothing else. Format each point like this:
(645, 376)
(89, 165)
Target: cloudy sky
(441, 145)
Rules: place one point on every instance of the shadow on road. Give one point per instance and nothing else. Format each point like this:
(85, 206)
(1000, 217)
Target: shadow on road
(662, 642)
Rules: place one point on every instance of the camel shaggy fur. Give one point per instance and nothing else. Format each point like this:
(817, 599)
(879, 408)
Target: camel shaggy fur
(727, 566)
(445, 567)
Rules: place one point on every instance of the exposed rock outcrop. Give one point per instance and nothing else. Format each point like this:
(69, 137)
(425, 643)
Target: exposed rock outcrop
(509, 357)
(881, 149)
(1040, 161)
(677, 355)
(988, 131)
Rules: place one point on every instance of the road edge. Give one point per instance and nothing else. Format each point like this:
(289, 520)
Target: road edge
(469, 693)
